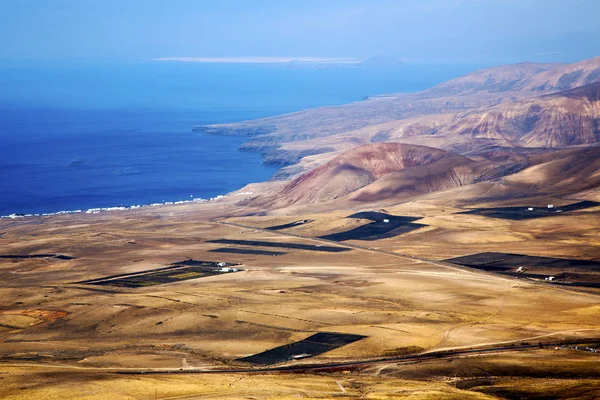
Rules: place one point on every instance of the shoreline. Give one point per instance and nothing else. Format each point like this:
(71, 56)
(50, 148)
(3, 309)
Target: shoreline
(271, 153)
(99, 210)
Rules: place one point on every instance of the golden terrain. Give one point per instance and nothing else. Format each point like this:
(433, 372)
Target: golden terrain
(523, 135)
(60, 339)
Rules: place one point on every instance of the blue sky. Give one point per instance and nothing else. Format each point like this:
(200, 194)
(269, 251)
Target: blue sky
(414, 30)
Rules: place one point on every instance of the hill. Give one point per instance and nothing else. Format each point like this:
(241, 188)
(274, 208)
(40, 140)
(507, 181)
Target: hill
(382, 170)
(563, 119)
(501, 78)
(572, 174)
(563, 77)
(284, 139)
(395, 172)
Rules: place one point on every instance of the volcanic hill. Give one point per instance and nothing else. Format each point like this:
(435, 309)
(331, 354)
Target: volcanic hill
(382, 170)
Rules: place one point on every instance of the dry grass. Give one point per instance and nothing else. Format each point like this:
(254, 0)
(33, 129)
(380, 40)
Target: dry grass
(399, 303)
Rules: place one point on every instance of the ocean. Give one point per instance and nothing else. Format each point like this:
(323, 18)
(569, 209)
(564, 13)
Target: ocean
(82, 135)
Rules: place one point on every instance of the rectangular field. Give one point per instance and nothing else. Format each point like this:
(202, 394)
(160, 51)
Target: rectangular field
(185, 270)
(281, 245)
(581, 273)
(233, 250)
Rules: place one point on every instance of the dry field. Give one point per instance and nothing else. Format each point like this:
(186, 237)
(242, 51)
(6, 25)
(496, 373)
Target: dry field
(59, 338)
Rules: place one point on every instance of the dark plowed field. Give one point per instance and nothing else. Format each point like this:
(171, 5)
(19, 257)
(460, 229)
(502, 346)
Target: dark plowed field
(378, 229)
(312, 346)
(523, 213)
(290, 225)
(185, 270)
(233, 250)
(282, 245)
(568, 272)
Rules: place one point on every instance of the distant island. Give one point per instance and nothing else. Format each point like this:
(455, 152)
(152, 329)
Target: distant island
(371, 62)
(381, 61)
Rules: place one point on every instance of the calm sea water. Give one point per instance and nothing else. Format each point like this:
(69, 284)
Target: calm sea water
(82, 135)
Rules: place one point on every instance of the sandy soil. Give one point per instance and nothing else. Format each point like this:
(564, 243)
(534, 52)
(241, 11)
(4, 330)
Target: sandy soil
(79, 333)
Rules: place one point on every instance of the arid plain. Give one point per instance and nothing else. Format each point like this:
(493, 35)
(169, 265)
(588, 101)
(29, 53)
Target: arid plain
(468, 270)
(55, 330)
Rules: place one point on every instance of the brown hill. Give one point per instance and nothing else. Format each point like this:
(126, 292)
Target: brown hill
(574, 173)
(501, 78)
(484, 88)
(523, 79)
(563, 77)
(563, 119)
(393, 172)
(324, 121)
(449, 172)
(577, 171)
(481, 88)
(415, 169)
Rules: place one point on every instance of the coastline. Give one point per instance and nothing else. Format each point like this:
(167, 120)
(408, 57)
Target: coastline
(251, 94)
(270, 153)
(126, 208)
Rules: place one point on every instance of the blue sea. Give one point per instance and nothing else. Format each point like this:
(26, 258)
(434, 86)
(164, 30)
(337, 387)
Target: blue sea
(81, 135)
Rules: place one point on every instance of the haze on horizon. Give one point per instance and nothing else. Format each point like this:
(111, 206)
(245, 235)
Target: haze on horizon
(499, 31)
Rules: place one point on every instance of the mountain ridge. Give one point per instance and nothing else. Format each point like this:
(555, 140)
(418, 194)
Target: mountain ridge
(276, 136)
(568, 118)
(487, 129)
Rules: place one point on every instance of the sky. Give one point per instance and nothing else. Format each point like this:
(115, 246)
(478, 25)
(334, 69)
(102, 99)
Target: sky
(412, 30)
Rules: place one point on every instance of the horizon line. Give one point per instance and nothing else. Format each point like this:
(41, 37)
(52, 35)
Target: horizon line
(262, 60)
